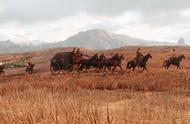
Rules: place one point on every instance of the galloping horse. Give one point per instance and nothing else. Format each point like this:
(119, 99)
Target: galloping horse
(173, 61)
(110, 62)
(102, 56)
(143, 63)
(119, 61)
(87, 63)
(100, 65)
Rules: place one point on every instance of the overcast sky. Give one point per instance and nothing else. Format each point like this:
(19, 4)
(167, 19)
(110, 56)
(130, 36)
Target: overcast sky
(55, 20)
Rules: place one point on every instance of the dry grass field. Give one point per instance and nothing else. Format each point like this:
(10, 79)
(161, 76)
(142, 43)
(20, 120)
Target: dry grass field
(158, 97)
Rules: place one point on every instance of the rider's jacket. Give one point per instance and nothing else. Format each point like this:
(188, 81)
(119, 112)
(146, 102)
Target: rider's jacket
(139, 54)
(173, 54)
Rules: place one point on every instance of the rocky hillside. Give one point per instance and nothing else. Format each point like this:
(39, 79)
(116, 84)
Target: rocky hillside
(91, 39)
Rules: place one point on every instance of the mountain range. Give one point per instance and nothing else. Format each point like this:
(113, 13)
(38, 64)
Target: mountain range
(92, 39)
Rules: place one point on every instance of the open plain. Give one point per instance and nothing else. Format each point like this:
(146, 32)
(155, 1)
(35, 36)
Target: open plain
(160, 96)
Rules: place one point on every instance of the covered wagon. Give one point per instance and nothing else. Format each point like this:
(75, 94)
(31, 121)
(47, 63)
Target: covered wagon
(62, 61)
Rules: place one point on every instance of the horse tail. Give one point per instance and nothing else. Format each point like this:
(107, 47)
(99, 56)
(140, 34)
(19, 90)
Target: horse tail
(165, 63)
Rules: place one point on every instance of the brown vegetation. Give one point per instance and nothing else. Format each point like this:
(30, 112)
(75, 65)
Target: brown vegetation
(161, 96)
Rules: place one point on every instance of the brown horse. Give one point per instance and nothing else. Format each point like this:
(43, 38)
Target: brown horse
(143, 63)
(119, 61)
(100, 65)
(108, 63)
(173, 61)
(88, 63)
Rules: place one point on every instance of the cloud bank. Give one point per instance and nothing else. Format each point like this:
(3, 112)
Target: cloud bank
(52, 20)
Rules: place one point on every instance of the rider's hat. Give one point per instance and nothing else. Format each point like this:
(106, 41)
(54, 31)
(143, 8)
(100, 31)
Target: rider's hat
(139, 48)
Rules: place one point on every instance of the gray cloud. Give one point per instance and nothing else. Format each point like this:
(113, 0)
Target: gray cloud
(162, 15)
(38, 10)
(45, 10)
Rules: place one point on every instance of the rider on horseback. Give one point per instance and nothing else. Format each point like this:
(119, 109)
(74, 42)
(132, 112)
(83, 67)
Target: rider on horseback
(173, 55)
(139, 56)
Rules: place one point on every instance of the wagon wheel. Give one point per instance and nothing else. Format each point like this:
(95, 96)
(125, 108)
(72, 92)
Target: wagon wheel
(70, 68)
(55, 71)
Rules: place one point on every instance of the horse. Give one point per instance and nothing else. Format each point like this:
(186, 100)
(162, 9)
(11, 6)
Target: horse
(119, 61)
(143, 63)
(102, 56)
(173, 61)
(109, 62)
(100, 59)
(87, 63)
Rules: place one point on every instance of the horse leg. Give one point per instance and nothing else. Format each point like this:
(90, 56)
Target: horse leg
(145, 68)
(134, 68)
(120, 67)
(102, 68)
(128, 67)
(27, 69)
(168, 66)
(113, 69)
(178, 67)
(99, 68)
(86, 69)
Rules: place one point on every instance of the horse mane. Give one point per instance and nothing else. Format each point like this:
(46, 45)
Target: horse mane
(148, 54)
(180, 56)
(102, 56)
(115, 56)
(93, 57)
(146, 57)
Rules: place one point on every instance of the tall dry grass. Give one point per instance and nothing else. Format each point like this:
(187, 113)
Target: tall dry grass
(156, 97)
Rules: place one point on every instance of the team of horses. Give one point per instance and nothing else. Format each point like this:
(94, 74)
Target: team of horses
(102, 63)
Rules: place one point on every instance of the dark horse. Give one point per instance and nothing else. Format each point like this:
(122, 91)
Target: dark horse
(87, 63)
(119, 61)
(100, 65)
(143, 63)
(108, 63)
(173, 61)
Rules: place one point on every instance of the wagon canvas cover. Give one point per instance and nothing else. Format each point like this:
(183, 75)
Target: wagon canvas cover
(64, 59)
